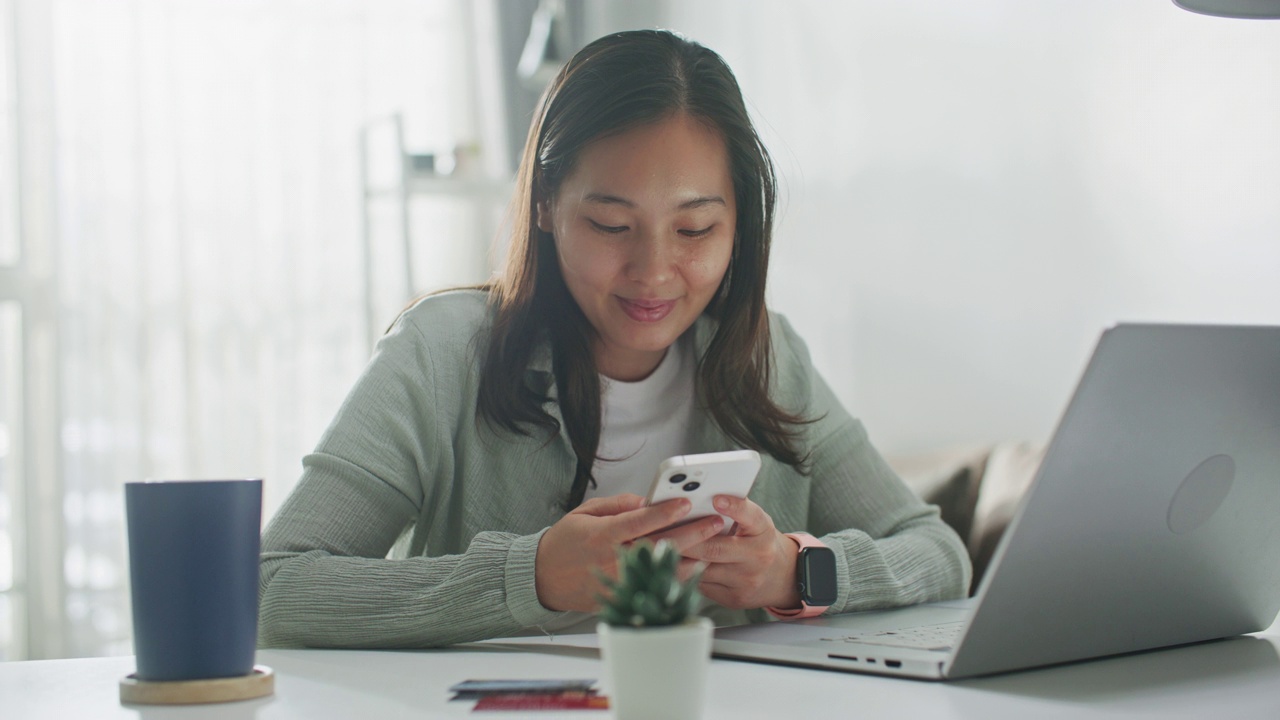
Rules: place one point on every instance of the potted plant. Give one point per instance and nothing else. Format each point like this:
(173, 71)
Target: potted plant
(656, 649)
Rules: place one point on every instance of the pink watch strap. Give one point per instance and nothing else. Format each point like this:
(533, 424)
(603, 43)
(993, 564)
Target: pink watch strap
(804, 611)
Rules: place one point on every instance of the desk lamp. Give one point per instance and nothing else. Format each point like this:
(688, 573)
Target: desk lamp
(1258, 9)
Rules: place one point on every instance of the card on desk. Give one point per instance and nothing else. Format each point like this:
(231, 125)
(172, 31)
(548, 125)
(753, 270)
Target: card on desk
(530, 695)
(472, 689)
(543, 701)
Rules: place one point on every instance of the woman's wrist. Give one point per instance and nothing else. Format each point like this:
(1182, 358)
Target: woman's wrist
(787, 595)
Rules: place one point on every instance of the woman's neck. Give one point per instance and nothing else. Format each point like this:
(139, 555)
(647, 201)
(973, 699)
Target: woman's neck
(628, 367)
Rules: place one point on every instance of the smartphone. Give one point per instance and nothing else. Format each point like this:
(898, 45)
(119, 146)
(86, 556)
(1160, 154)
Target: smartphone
(701, 477)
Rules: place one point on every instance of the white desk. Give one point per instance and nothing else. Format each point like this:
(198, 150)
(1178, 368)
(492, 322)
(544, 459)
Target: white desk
(1238, 678)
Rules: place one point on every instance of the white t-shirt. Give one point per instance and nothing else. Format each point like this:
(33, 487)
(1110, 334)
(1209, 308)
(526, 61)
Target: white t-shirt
(643, 423)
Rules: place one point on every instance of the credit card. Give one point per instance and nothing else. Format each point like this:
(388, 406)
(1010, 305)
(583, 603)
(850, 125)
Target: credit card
(542, 701)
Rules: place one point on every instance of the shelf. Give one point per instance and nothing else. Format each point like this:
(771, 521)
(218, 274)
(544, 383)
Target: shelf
(415, 176)
(470, 187)
(444, 185)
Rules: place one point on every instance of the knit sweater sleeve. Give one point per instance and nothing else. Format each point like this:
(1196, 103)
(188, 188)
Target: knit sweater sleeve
(325, 579)
(891, 548)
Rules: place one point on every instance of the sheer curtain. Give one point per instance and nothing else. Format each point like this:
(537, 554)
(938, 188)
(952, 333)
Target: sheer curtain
(208, 253)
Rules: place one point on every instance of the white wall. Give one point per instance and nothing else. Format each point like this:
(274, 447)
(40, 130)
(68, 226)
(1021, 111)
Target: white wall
(973, 191)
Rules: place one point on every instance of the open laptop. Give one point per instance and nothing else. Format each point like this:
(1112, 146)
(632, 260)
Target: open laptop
(1154, 520)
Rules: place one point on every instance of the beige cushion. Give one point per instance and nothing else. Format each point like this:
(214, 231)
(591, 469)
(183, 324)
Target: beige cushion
(950, 479)
(1009, 471)
(977, 490)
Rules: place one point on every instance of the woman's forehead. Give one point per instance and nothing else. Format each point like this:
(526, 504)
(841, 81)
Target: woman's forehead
(679, 163)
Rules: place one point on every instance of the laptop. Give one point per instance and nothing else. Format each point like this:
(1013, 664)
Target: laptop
(1151, 522)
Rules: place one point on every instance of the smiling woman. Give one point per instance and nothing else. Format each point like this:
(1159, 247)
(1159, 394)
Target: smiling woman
(512, 428)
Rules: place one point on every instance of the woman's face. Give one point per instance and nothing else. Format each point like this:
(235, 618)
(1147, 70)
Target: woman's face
(644, 228)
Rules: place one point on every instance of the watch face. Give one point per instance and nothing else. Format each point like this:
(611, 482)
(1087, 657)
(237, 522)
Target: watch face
(818, 576)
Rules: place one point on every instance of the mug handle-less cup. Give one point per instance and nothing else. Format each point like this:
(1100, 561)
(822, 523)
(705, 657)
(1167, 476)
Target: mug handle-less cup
(193, 570)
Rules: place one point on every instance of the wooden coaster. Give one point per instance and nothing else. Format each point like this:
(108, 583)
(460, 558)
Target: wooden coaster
(260, 682)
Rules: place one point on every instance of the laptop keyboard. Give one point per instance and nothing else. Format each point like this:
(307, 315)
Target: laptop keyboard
(925, 637)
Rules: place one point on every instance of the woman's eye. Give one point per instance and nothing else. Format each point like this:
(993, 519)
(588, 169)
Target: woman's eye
(697, 233)
(609, 229)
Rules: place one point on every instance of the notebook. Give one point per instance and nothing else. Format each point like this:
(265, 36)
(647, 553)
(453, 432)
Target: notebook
(1151, 522)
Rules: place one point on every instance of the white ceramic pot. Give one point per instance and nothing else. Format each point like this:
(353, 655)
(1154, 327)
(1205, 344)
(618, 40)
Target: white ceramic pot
(657, 673)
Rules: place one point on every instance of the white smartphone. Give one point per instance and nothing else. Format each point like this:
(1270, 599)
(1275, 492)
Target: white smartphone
(701, 477)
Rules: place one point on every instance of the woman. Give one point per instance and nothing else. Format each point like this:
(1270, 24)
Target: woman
(505, 435)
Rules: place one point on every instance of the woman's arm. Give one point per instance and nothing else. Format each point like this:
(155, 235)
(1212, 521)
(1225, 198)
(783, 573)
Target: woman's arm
(891, 548)
(389, 461)
(325, 580)
(324, 575)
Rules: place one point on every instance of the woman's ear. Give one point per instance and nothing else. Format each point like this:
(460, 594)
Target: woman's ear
(543, 218)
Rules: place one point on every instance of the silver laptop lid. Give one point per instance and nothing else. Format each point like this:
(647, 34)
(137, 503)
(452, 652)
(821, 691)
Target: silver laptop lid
(1154, 519)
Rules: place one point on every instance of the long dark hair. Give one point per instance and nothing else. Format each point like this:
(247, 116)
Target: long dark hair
(617, 83)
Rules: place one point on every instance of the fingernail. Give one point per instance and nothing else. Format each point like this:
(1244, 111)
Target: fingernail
(717, 525)
(722, 503)
(685, 506)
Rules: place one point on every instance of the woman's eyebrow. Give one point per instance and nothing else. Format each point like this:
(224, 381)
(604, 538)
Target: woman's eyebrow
(605, 199)
(702, 202)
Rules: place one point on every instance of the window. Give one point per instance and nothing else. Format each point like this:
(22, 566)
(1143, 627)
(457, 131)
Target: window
(10, 415)
(9, 247)
(195, 166)
(11, 646)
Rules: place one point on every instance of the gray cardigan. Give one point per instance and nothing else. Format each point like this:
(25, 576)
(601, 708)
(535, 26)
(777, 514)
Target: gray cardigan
(407, 459)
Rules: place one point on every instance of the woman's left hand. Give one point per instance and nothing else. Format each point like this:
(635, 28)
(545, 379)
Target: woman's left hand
(753, 568)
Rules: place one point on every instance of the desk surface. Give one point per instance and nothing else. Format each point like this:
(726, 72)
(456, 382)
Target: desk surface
(1237, 678)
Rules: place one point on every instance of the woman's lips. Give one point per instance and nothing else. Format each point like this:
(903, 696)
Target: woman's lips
(646, 310)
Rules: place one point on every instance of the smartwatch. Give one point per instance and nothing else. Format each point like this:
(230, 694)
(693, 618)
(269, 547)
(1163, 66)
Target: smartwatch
(815, 578)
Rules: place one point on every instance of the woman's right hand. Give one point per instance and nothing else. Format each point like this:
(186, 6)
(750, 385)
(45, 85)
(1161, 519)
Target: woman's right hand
(586, 540)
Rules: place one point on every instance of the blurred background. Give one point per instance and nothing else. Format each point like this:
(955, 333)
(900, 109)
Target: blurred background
(209, 209)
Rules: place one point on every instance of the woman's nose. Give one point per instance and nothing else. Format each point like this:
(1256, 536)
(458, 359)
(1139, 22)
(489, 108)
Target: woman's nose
(652, 260)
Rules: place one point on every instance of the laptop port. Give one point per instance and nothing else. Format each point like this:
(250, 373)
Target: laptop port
(893, 663)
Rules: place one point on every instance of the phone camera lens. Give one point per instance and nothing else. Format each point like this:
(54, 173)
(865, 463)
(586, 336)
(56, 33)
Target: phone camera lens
(678, 478)
(691, 486)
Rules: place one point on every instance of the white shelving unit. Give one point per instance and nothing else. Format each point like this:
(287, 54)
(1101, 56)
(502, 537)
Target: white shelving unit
(385, 138)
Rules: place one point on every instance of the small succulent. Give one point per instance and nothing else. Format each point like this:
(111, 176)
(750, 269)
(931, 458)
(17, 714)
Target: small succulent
(647, 592)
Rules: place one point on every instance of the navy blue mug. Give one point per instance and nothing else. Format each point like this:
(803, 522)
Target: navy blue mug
(193, 571)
